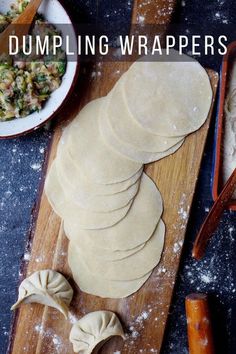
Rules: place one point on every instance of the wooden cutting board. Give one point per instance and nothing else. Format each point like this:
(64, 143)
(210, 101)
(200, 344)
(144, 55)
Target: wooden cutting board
(38, 329)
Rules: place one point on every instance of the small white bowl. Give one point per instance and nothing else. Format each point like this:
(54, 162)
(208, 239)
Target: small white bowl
(54, 13)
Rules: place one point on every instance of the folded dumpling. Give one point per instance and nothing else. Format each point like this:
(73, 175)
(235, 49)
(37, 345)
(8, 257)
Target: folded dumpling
(93, 330)
(46, 287)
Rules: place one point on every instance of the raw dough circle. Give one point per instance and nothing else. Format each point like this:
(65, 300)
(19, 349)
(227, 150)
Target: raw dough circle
(133, 230)
(129, 268)
(168, 98)
(127, 149)
(106, 254)
(98, 161)
(73, 214)
(84, 197)
(92, 284)
(76, 185)
(127, 130)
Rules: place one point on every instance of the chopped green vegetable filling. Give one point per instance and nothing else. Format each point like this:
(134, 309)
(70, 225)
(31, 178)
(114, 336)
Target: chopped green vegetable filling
(24, 85)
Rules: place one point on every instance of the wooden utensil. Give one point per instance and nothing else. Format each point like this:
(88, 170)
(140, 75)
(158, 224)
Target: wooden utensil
(213, 218)
(20, 26)
(200, 336)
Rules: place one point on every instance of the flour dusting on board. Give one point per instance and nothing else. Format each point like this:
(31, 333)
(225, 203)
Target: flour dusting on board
(49, 334)
(183, 212)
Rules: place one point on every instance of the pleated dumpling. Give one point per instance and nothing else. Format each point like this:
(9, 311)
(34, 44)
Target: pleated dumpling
(93, 330)
(46, 287)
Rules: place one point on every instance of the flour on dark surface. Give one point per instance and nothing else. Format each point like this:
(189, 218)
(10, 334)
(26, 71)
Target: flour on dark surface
(19, 184)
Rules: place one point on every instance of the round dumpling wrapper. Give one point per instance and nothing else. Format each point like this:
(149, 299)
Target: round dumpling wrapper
(170, 96)
(92, 284)
(106, 254)
(77, 185)
(129, 268)
(133, 230)
(127, 149)
(72, 213)
(127, 130)
(99, 162)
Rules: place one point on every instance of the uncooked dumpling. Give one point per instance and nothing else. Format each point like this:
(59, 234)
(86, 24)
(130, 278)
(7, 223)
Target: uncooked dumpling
(133, 230)
(93, 330)
(169, 98)
(92, 283)
(46, 287)
(98, 161)
(76, 216)
(129, 268)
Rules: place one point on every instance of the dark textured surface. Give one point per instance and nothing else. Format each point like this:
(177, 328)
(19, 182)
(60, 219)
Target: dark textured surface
(20, 171)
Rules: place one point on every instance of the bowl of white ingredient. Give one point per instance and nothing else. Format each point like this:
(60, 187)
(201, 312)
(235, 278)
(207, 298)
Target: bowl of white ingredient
(21, 114)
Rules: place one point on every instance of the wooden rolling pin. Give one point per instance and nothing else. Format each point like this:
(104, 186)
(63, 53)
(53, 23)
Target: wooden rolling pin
(200, 336)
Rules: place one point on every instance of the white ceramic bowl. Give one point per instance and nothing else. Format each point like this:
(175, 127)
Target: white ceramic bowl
(54, 13)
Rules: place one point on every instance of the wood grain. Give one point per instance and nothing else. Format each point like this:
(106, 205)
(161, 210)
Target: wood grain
(38, 329)
(176, 178)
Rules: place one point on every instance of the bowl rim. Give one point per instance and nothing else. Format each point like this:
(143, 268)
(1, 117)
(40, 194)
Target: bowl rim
(30, 130)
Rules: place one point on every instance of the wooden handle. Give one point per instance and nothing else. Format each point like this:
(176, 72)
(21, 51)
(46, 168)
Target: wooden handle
(20, 26)
(213, 218)
(200, 337)
(28, 14)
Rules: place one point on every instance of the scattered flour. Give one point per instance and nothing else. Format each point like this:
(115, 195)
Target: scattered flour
(26, 257)
(177, 246)
(72, 318)
(206, 278)
(49, 333)
(36, 166)
(141, 19)
(143, 316)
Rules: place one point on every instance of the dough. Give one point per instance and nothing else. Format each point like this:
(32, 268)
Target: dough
(133, 230)
(87, 199)
(117, 236)
(129, 268)
(92, 284)
(93, 330)
(127, 130)
(46, 287)
(106, 254)
(168, 98)
(97, 161)
(72, 213)
(107, 203)
(127, 149)
(76, 185)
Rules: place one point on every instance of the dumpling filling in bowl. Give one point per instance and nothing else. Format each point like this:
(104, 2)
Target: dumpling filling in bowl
(27, 83)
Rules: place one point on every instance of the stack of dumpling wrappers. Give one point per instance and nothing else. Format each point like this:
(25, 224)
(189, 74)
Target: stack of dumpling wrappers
(110, 208)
